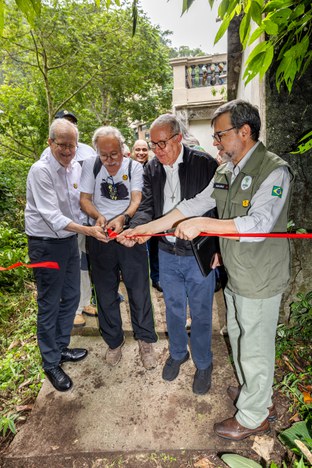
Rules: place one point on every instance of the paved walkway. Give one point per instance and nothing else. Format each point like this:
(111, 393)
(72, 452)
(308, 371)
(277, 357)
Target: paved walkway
(113, 412)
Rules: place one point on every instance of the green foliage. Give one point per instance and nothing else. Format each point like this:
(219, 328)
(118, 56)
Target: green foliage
(13, 175)
(293, 353)
(13, 248)
(301, 316)
(185, 51)
(299, 431)
(287, 25)
(237, 461)
(21, 374)
(83, 58)
(7, 423)
(305, 144)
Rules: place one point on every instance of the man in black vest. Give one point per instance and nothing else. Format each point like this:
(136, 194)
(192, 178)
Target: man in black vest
(176, 173)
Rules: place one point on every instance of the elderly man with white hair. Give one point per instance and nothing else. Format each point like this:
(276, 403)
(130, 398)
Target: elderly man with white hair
(111, 190)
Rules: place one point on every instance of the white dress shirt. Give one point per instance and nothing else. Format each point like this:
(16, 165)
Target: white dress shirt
(52, 198)
(264, 209)
(172, 189)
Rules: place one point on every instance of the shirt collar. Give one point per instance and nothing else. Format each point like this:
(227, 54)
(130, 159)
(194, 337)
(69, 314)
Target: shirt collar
(56, 165)
(236, 169)
(178, 161)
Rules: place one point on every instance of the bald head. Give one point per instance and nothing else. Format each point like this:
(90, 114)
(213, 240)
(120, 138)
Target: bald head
(140, 151)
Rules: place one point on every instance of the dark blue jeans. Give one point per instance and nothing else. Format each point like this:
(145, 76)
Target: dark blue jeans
(58, 294)
(182, 281)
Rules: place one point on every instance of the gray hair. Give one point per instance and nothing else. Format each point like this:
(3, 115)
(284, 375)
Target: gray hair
(61, 125)
(108, 131)
(241, 112)
(167, 120)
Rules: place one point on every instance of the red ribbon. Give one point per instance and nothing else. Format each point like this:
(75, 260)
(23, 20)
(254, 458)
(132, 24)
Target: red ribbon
(54, 265)
(112, 234)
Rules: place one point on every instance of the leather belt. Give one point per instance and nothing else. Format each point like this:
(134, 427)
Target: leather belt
(62, 239)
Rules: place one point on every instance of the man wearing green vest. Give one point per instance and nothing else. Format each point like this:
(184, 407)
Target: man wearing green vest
(252, 194)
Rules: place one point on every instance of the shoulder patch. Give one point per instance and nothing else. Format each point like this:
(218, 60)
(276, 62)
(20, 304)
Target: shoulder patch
(277, 191)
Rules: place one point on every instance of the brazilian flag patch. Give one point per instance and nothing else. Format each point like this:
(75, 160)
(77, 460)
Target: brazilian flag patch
(277, 191)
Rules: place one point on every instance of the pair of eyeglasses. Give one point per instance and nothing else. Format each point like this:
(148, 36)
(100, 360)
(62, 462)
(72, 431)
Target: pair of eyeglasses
(218, 135)
(105, 156)
(161, 144)
(64, 147)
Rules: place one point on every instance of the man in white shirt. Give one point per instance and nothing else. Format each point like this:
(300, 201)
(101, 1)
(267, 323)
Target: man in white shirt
(51, 223)
(252, 194)
(110, 195)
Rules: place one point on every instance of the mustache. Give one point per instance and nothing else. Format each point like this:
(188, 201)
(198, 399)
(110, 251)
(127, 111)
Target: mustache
(115, 163)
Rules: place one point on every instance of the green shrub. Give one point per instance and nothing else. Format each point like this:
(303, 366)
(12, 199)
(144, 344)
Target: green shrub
(13, 249)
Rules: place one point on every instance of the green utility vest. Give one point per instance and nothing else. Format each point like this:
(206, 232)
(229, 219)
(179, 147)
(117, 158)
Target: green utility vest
(256, 270)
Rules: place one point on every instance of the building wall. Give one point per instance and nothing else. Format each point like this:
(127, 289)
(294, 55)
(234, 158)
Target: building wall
(202, 130)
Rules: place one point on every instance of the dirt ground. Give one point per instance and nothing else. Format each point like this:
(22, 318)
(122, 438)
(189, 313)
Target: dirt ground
(128, 417)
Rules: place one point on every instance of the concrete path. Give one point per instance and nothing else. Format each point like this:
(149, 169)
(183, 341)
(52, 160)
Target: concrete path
(113, 412)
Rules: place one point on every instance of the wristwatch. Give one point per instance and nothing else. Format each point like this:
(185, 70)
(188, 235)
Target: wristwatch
(127, 219)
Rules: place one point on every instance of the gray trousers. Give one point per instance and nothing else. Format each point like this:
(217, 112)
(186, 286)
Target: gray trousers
(252, 328)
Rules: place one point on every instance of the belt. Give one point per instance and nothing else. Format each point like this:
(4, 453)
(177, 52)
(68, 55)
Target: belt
(47, 239)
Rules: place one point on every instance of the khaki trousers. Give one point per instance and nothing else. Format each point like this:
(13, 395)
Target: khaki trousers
(252, 328)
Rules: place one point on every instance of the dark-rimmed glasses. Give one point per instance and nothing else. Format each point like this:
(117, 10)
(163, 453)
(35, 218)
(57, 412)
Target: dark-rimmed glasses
(64, 147)
(112, 155)
(161, 144)
(218, 135)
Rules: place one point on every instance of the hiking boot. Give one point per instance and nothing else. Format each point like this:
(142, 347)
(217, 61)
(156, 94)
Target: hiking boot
(172, 367)
(79, 321)
(90, 310)
(113, 356)
(147, 354)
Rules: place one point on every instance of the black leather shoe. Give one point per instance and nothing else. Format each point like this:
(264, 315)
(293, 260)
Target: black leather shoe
(202, 381)
(59, 379)
(157, 286)
(73, 355)
(172, 367)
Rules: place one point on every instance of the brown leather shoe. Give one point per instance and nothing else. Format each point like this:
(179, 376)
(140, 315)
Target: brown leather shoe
(231, 429)
(234, 392)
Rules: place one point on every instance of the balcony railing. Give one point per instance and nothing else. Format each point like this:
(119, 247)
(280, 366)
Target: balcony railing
(205, 74)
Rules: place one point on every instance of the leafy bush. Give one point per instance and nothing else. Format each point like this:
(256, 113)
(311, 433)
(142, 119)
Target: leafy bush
(13, 248)
(20, 364)
(293, 351)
